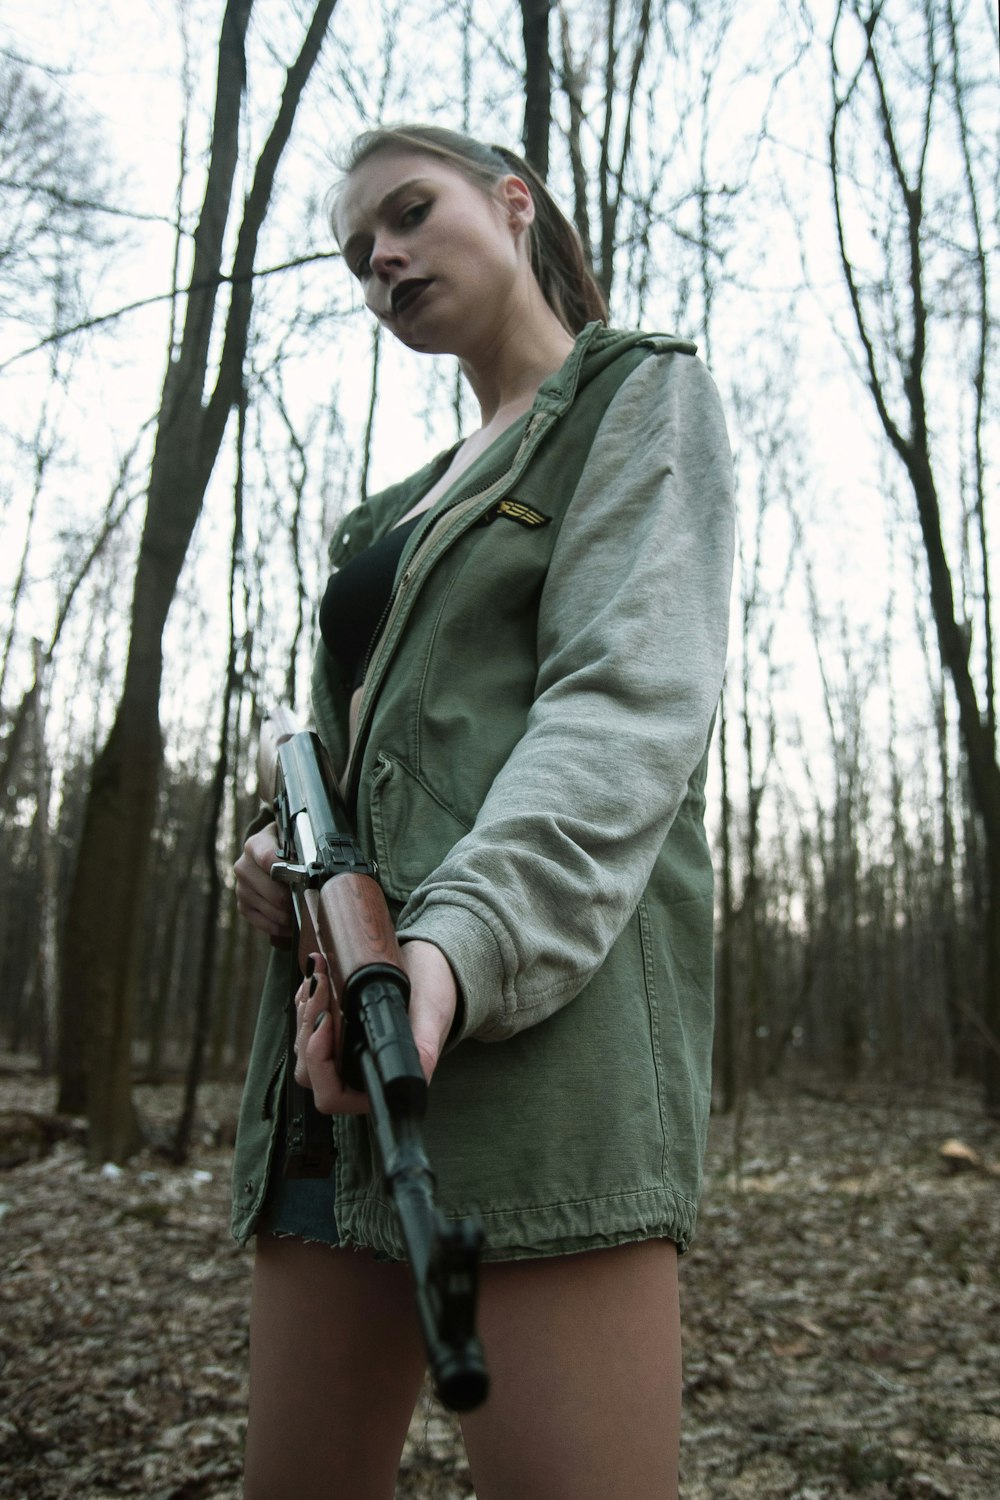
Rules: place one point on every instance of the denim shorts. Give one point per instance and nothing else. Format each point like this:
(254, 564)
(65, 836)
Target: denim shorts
(301, 1206)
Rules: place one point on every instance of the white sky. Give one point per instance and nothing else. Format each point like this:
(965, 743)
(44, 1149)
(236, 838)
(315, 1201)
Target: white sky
(122, 62)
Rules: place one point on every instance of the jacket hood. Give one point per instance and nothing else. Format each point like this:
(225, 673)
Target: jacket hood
(597, 347)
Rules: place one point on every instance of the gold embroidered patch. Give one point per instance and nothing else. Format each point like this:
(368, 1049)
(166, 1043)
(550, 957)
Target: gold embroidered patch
(523, 514)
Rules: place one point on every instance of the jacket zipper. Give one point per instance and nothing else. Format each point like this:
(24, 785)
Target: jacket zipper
(395, 601)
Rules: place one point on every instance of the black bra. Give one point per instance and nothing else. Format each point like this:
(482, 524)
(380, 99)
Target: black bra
(355, 601)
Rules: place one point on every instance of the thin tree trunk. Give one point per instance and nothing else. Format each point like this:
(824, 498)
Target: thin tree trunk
(45, 936)
(210, 929)
(913, 448)
(366, 443)
(537, 83)
(573, 77)
(611, 174)
(104, 931)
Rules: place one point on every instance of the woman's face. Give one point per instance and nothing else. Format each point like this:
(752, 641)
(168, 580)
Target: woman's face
(439, 260)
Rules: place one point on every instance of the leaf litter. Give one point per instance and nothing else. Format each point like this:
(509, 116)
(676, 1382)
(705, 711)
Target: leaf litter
(841, 1307)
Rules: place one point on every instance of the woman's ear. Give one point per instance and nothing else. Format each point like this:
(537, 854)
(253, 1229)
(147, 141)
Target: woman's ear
(517, 202)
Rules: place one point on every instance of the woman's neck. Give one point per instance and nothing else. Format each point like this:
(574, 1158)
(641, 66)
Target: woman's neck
(529, 346)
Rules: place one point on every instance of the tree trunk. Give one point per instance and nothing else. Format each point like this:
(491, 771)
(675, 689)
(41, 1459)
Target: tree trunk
(537, 83)
(210, 924)
(104, 930)
(572, 79)
(910, 436)
(45, 935)
(611, 173)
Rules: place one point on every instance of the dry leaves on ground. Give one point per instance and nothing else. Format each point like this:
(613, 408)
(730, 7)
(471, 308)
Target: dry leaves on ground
(841, 1310)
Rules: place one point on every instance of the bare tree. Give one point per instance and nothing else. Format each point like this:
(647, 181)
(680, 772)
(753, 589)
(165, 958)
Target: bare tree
(55, 236)
(537, 83)
(104, 933)
(54, 199)
(210, 834)
(572, 81)
(903, 100)
(623, 52)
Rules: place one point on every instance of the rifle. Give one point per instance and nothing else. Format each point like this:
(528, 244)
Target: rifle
(340, 911)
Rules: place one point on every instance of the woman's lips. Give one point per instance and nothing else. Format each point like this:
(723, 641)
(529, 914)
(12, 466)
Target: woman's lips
(406, 293)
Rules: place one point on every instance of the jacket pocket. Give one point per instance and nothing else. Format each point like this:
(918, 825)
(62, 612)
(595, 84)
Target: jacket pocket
(412, 829)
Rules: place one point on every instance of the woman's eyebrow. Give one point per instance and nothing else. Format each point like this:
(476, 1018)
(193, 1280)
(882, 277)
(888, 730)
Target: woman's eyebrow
(354, 242)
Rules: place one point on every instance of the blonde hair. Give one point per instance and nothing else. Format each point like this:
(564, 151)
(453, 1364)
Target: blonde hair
(557, 258)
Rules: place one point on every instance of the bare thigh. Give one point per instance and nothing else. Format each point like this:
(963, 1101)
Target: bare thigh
(336, 1366)
(585, 1369)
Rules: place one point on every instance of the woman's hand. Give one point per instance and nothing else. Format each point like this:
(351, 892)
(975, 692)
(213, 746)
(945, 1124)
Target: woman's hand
(315, 1050)
(433, 1002)
(266, 904)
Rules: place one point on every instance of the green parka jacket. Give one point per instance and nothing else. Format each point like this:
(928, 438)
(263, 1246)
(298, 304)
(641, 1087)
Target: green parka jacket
(529, 774)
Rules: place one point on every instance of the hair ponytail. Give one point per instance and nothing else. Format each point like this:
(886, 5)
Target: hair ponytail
(557, 259)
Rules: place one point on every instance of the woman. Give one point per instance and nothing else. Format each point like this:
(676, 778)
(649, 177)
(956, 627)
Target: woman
(521, 722)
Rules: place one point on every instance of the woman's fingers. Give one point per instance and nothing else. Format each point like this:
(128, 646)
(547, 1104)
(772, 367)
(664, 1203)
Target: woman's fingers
(265, 903)
(315, 1046)
(433, 1003)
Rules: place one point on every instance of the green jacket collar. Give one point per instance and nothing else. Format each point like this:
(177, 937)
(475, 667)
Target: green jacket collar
(596, 347)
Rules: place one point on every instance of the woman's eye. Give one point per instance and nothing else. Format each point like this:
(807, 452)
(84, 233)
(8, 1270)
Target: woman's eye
(362, 268)
(414, 214)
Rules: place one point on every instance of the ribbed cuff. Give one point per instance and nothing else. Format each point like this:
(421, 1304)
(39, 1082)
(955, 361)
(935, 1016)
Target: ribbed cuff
(474, 955)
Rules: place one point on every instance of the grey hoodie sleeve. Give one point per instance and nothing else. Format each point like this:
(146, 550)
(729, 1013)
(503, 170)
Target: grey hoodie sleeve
(631, 646)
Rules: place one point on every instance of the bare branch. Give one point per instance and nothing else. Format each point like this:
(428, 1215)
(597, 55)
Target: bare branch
(190, 290)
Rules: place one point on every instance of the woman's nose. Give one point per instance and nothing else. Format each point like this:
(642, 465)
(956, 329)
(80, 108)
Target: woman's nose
(387, 255)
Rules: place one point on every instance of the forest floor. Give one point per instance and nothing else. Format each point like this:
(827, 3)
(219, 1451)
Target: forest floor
(841, 1309)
